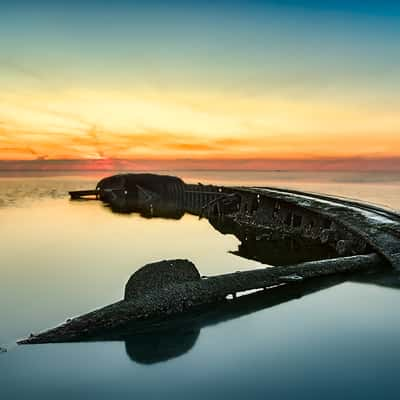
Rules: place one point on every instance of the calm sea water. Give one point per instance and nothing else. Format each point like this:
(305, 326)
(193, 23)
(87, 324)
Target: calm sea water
(61, 258)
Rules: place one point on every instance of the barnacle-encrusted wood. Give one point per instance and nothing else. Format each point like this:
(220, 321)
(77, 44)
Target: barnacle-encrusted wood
(158, 275)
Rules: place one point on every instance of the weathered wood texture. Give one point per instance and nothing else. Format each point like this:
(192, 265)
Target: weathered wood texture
(380, 228)
(177, 298)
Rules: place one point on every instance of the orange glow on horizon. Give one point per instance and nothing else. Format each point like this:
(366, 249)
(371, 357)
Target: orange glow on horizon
(192, 126)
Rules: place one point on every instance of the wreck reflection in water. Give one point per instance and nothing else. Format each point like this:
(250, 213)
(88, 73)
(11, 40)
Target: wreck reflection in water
(167, 209)
(171, 337)
(165, 339)
(257, 245)
(279, 251)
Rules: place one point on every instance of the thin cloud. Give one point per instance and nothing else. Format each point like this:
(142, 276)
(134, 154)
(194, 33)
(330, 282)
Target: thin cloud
(21, 69)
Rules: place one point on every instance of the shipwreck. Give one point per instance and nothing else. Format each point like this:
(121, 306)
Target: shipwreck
(320, 236)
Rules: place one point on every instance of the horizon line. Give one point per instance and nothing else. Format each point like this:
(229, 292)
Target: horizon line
(245, 164)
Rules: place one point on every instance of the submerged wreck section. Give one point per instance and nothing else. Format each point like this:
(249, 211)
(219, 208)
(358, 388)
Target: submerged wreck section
(176, 291)
(322, 236)
(347, 227)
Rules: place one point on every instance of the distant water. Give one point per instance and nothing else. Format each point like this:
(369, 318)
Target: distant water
(61, 258)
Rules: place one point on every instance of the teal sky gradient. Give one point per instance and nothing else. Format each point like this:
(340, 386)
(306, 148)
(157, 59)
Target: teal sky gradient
(319, 75)
(253, 48)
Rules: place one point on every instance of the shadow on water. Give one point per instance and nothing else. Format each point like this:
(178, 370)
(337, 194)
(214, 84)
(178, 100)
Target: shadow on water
(167, 338)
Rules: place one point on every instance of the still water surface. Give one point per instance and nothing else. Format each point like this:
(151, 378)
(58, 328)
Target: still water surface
(61, 258)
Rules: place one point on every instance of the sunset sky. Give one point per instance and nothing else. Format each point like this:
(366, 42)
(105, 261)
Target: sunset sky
(265, 84)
